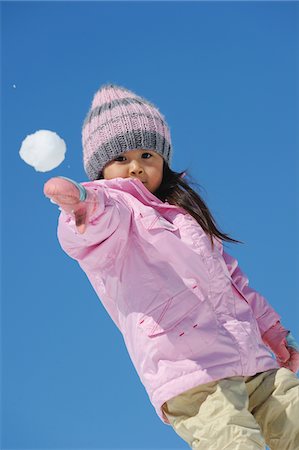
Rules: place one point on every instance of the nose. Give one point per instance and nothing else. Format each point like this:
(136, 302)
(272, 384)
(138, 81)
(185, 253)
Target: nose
(135, 168)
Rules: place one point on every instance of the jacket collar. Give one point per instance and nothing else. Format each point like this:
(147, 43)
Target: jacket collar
(136, 188)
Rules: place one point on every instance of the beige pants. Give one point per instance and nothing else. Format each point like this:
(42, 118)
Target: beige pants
(239, 413)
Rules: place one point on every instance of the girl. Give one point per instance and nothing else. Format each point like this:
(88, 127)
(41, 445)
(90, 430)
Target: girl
(199, 337)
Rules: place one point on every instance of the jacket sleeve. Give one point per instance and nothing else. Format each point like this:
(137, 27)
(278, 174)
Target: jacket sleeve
(265, 315)
(103, 237)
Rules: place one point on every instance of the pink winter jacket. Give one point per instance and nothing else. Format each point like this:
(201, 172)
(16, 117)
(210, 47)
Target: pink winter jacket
(186, 312)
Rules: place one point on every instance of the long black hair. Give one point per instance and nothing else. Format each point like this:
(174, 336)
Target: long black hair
(175, 189)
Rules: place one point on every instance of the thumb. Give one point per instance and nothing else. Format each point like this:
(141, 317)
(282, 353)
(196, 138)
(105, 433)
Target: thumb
(83, 210)
(282, 352)
(80, 217)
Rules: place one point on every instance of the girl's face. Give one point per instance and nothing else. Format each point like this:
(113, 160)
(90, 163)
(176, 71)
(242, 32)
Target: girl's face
(146, 165)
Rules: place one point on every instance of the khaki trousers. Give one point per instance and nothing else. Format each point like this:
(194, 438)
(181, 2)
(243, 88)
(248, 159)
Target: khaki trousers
(239, 413)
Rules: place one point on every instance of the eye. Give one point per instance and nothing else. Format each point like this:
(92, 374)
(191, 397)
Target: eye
(145, 153)
(117, 159)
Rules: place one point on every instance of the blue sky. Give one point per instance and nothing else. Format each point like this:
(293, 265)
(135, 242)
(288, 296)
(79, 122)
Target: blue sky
(225, 75)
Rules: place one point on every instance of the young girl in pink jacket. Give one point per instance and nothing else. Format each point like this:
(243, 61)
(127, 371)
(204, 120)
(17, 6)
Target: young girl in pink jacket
(199, 337)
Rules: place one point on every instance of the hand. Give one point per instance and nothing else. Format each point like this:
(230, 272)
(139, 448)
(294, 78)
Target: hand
(293, 348)
(283, 346)
(293, 361)
(67, 195)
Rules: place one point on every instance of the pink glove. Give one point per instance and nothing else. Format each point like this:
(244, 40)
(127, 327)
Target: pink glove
(277, 339)
(67, 194)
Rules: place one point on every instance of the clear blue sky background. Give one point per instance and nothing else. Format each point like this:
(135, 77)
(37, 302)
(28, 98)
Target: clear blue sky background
(225, 75)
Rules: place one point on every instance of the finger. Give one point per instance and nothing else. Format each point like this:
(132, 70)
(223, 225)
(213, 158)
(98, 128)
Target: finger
(61, 191)
(293, 363)
(283, 354)
(52, 187)
(64, 199)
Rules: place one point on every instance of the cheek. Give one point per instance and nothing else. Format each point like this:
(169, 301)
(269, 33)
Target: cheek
(111, 172)
(158, 180)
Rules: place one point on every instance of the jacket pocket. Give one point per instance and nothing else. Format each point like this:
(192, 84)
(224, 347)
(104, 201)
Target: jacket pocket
(185, 314)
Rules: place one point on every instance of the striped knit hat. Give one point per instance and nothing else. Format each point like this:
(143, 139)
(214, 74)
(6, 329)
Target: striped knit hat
(119, 121)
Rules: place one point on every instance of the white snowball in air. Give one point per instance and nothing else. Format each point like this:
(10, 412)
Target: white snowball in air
(44, 150)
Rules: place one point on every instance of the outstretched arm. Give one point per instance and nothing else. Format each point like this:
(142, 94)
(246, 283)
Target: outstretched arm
(73, 198)
(100, 221)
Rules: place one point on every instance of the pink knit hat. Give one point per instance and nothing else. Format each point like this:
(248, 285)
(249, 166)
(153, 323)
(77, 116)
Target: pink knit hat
(119, 121)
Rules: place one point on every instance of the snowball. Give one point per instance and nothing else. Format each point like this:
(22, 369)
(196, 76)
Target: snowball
(44, 150)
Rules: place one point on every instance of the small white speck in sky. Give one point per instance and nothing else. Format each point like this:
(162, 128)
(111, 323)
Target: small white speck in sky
(14, 86)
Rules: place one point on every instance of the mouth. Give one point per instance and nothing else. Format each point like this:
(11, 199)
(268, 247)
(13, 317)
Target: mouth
(143, 182)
